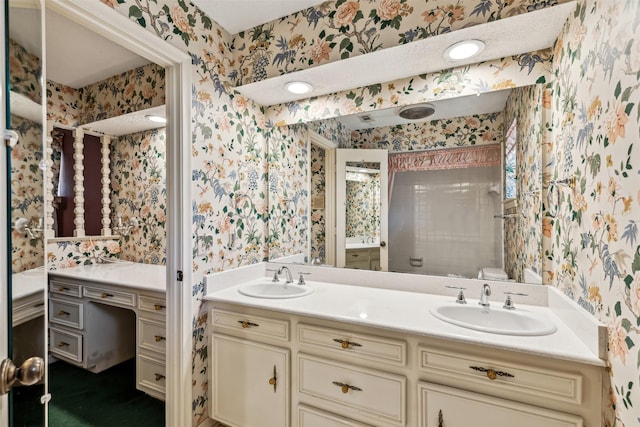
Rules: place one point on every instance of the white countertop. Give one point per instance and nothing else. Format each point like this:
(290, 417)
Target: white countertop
(407, 312)
(27, 283)
(362, 245)
(134, 275)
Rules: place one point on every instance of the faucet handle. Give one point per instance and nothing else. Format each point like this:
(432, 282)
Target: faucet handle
(275, 274)
(508, 304)
(301, 279)
(460, 299)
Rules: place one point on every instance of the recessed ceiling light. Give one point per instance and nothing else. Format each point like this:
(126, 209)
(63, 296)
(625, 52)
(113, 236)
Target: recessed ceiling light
(464, 50)
(299, 88)
(157, 119)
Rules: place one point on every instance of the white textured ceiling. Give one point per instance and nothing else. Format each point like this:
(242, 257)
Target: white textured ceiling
(129, 123)
(77, 57)
(506, 37)
(486, 103)
(239, 15)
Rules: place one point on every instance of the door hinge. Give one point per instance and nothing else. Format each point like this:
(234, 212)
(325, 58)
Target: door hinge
(180, 276)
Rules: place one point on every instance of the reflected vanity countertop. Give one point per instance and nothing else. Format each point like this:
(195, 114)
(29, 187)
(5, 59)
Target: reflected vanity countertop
(28, 282)
(134, 275)
(362, 245)
(408, 312)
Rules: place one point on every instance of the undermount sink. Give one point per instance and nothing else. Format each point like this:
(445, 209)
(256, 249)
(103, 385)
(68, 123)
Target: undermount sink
(495, 320)
(275, 290)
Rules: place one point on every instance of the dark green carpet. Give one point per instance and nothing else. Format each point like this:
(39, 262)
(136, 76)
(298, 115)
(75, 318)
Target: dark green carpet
(80, 398)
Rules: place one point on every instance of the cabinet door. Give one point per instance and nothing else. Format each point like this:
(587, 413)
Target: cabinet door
(449, 407)
(249, 383)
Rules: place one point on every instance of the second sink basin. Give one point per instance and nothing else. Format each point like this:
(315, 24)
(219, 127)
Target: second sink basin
(496, 320)
(275, 290)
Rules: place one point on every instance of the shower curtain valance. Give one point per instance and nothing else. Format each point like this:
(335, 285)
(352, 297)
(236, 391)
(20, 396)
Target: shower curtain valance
(449, 158)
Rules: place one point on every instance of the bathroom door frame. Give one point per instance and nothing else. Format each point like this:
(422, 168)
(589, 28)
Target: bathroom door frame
(105, 21)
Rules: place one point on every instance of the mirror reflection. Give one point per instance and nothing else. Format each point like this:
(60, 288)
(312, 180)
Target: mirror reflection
(451, 208)
(25, 118)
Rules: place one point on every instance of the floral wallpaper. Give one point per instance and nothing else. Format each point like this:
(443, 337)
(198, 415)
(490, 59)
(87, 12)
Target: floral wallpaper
(64, 104)
(27, 193)
(523, 231)
(342, 29)
(289, 202)
(362, 205)
(318, 249)
(139, 189)
(595, 246)
(69, 254)
(25, 74)
(133, 90)
(447, 133)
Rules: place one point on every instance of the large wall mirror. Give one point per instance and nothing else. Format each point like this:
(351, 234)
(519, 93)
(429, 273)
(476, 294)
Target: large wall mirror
(448, 210)
(26, 118)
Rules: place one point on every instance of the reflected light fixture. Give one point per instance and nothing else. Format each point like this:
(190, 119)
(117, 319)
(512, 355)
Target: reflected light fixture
(464, 50)
(298, 88)
(156, 118)
(417, 112)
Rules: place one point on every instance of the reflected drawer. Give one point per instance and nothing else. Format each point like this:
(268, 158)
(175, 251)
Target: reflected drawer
(62, 287)
(152, 304)
(113, 297)
(65, 344)
(152, 335)
(250, 325)
(363, 345)
(312, 417)
(357, 255)
(364, 394)
(66, 313)
(358, 265)
(519, 380)
(151, 376)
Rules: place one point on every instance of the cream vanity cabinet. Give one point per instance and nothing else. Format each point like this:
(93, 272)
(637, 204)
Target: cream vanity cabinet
(363, 259)
(98, 325)
(342, 374)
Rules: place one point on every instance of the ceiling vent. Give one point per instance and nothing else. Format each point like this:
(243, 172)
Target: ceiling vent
(417, 112)
(366, 118)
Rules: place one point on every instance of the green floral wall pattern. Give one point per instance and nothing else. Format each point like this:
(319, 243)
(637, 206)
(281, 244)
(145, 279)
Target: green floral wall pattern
(454, 132)
(595, 244)
(26, 71)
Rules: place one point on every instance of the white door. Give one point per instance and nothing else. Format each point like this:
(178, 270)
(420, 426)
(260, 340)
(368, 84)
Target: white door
(362, 206)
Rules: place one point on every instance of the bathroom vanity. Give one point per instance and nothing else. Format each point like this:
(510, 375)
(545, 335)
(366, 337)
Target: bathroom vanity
(101, 315)
(362, 356)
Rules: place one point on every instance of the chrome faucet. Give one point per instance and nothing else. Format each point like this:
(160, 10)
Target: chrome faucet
(285, 269)
(484, 295)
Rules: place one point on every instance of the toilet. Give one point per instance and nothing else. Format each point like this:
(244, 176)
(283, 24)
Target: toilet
(492, 273)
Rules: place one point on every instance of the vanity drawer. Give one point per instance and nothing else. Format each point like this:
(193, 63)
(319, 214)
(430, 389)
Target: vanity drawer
(66, 313)
(368, 395)
(62, 287)
(359, 345)
(358, 265)
(518, 380)
(152, 304)
(311, 417)
(151, 376)
(65, 344)
(250, 325)
(152, 335)
(115, 297)
(357, 255)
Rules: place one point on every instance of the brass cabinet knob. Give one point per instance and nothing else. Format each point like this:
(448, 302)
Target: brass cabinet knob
(159, 338)
(63, 313)
(346, 343)
(106, 295)
(345, 387)
(246, 324)
(160, 377)
(63, 344)
(491, 373)
(62, 289)
(272, 381)
(159, 307)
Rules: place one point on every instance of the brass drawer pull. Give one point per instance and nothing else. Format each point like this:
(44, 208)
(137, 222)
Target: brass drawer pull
(63, 344)
(274, 380)
(106, 295)
(346, 344)
(63, 289)
(63, 313)
(346, 387)
(246, 324)
(492, 374)
(159, 307)
(159, 338)
(160, 377)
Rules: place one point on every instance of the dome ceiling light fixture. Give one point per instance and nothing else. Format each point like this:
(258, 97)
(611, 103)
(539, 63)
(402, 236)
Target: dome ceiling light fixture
(417, 112)
(298, 88)
(464, 49)
(156, 118)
